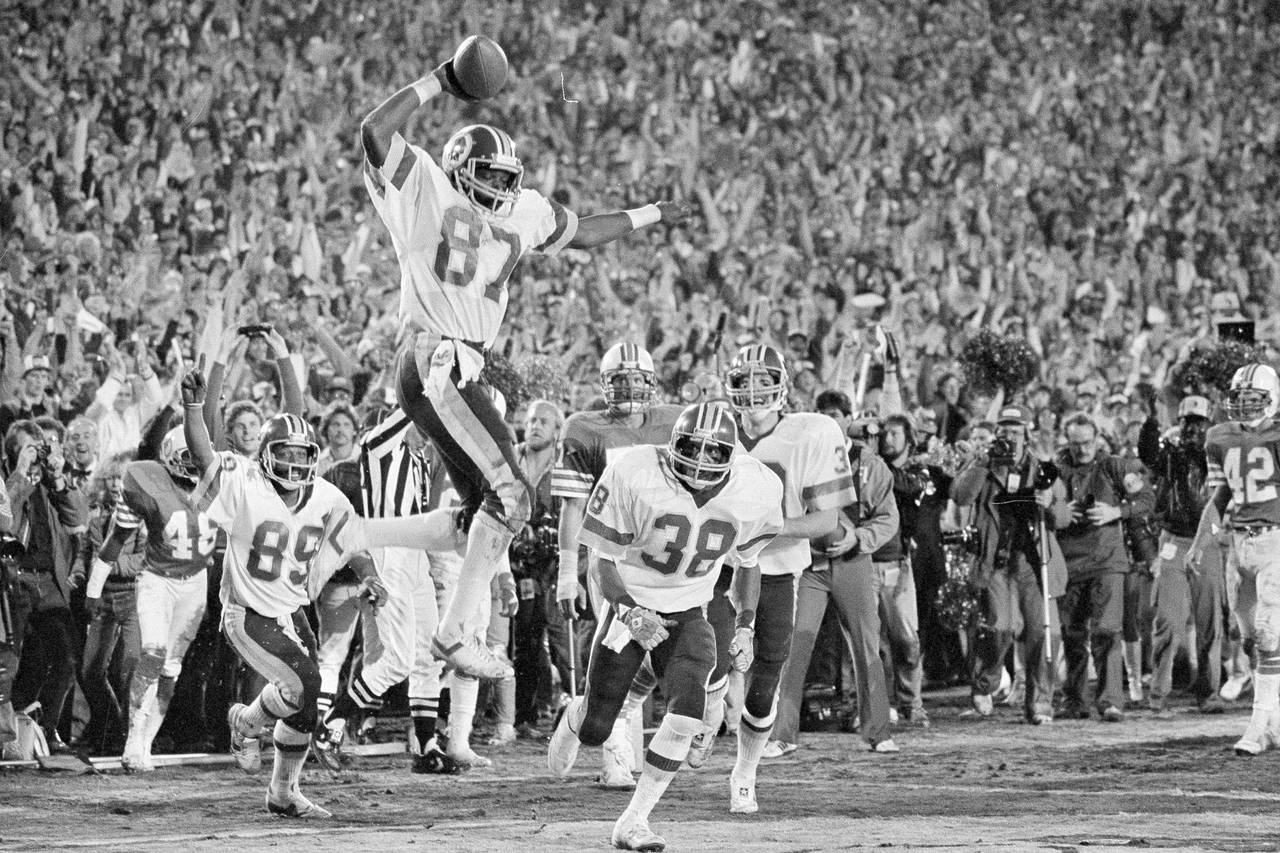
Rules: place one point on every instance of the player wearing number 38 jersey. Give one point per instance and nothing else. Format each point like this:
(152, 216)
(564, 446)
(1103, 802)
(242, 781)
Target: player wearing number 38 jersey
(1244, 471)
(660, 523)
(172, 588)
(458, 229)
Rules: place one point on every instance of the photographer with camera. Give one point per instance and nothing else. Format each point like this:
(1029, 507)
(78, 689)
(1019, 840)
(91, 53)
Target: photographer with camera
(1017, 503)
(1178, 462)
(1103, 491)
(534, 563)
(47, 513)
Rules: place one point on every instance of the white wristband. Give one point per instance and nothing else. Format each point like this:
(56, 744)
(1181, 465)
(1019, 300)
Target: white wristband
(642, 216)
(427, 88)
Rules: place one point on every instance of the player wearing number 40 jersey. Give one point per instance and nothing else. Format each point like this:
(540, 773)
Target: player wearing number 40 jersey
(172, 587)
(458, 229)
(287, 532)
(660, 524)
(1244, 470)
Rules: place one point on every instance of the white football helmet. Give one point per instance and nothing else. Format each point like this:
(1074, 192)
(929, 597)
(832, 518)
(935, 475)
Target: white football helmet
(176, 456)
(1254, 395)
(627, 378)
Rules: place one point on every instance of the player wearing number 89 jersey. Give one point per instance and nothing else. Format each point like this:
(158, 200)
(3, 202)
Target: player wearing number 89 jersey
(458, 229)
(1244, 470)
(172, 587)
(287, 532)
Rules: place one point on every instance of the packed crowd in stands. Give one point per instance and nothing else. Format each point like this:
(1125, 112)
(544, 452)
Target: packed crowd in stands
(1086, 175)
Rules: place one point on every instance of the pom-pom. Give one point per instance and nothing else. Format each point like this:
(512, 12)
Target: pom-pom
(958, 600)
(528, 378)
(992, 361)
(1208, 368)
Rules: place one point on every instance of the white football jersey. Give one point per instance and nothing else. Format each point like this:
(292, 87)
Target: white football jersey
(669, 546)
(272, 550)
(454, 259)
(808, 454)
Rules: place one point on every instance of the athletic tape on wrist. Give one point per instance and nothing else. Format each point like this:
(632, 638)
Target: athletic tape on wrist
(427, 88)
(642, 216)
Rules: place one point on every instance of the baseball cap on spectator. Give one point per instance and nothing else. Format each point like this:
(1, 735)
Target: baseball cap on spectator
(1014, 414)
(1194, 407)
(1117, 400)
(797, 332)
(32, 363)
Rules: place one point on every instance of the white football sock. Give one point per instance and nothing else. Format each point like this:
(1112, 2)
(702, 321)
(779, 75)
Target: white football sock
(486, 544)
(753, 736)
(291, 754)
(463, 692)
(667, 751)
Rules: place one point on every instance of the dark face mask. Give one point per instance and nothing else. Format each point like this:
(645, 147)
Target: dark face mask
(1192, 436)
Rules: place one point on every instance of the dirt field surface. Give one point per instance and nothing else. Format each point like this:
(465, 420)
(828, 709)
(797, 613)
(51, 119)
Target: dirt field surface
(963, 784)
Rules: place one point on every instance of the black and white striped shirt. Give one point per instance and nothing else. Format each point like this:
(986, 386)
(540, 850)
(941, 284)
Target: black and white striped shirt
(392, 477)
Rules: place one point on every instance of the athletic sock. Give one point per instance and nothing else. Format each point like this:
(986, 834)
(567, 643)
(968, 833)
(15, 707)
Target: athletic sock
(423, 712)
(291, 754)
(463, 692)
(486, 544)
(753, 736)
(159, 708)
(713, 716)
(667, 751)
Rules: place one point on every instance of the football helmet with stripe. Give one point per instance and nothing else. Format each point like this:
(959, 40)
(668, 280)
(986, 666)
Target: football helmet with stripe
(756, 381)
(481, 163)
(1254, 395)
(703, 441)
(176, 456)
(627, 378)
(282, 432)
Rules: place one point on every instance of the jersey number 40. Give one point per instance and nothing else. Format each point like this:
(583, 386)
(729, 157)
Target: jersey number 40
(1254, 481)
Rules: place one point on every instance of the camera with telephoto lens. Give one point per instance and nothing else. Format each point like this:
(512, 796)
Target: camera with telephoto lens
(864, 428)
(1001, 451)
(535, 550)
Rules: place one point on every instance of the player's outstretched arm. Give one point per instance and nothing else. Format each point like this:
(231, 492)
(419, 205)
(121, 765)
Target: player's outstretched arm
(572, 511)
(193, 425)
(379, 126)
(601, 228)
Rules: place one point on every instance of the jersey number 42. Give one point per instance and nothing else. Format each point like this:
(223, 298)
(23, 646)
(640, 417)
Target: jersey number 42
(1253, 479)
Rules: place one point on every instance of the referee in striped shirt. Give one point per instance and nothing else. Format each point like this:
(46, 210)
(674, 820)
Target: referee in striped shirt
(395, 481)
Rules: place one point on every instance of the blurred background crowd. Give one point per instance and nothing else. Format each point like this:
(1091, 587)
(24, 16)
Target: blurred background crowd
(1095, 179)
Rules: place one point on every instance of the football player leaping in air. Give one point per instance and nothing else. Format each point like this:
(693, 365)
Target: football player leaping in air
(1244, 470)
(287, 532)
(591, 441)
(807, 452)
(458, 229)
(661, 522)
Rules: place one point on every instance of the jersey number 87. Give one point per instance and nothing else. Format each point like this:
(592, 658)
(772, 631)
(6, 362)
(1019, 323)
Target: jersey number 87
(459, 251)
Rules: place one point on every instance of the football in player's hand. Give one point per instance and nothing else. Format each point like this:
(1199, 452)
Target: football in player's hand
(480, 67)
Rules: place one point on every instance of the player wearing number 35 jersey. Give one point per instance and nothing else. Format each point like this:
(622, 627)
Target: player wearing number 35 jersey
(458, 229)
(172, 588)
(660, 523)
(287, 532)
(1244, 470)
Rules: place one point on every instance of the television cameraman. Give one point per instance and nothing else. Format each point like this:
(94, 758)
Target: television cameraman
(1103, 491)
(1017, 503)
(47, 514)
(1179, 466)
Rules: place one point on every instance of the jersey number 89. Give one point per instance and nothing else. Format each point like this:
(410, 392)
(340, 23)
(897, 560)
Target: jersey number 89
(271, 544)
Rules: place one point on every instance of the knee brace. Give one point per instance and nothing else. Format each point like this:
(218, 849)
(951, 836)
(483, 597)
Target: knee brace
(148, 671)
(510, 503)
(165, 688)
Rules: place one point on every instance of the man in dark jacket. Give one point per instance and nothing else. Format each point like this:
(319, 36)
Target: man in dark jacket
(1102, 490)
(1177, 462)
(47, 514)
(1017, 505)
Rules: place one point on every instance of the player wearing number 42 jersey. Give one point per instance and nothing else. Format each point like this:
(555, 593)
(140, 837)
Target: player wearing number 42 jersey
(459, 228)
(1244, 470)
(172, 588)
(287, 532)
(660, 524)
